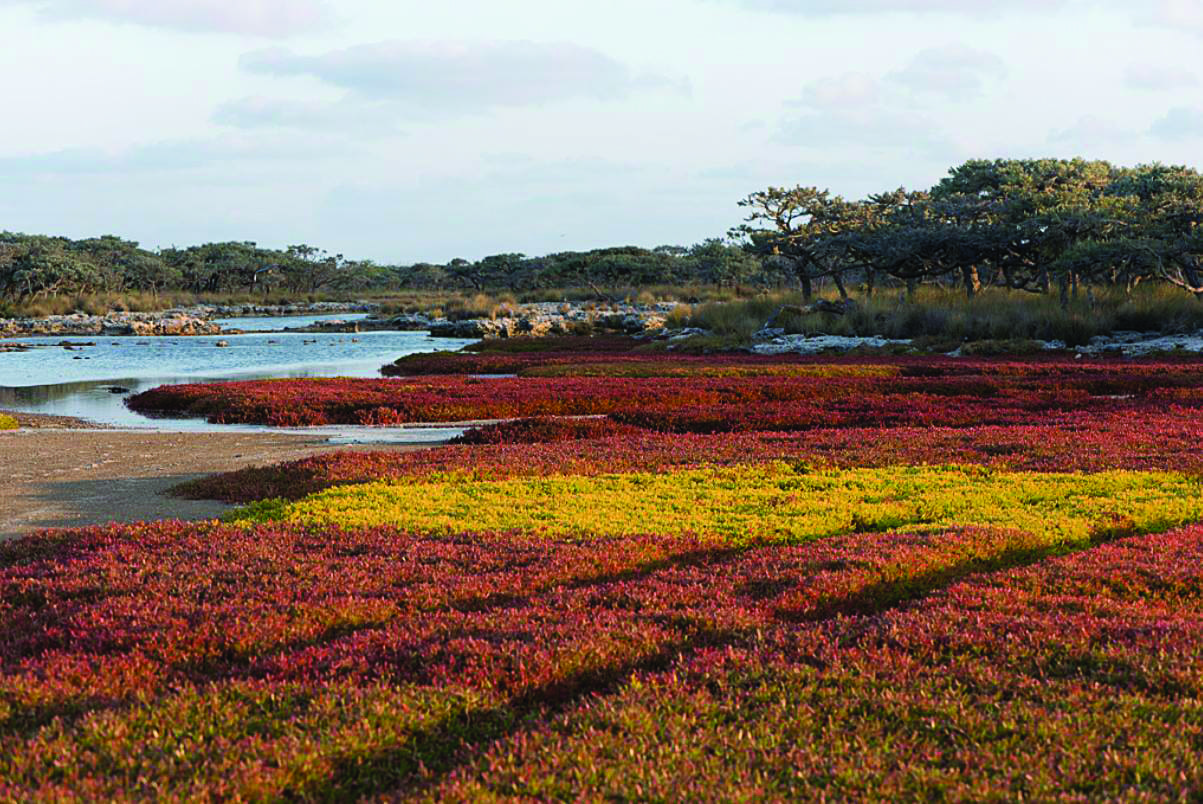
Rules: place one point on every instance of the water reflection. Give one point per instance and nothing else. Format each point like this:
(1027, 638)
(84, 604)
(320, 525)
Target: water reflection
(92, 381)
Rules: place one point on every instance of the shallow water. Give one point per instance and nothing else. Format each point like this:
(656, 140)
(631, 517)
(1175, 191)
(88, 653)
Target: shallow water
(280, 323)
(81, 380)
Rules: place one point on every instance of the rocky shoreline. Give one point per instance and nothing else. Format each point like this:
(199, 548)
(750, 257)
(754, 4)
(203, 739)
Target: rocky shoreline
(528, 320)
(186, 321)
(550, 319)
(546, 319)
(172, 322)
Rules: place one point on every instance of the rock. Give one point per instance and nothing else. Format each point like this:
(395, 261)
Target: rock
(189, 321)
(169, 323)
(545, 319)
(1141, 343)
(687, 332)
(801, 344)
(457, 329)
(538, 328)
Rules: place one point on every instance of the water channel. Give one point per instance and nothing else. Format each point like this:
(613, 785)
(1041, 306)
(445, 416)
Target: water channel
(90, 377)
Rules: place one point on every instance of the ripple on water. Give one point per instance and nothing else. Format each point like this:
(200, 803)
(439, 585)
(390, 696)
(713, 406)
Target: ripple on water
(91, 381)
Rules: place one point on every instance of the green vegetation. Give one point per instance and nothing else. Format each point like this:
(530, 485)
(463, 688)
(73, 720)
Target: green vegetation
(945, 314)
(46, 275)
(1020, 224)
(1070, 230)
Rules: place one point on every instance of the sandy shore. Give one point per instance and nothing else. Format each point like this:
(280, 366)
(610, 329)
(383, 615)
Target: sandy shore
(57, 477)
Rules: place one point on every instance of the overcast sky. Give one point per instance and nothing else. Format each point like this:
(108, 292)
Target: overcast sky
(414, 130)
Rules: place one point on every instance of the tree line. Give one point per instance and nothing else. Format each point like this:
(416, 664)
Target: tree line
(1031, 225)
(35, 267)
(1042, 226)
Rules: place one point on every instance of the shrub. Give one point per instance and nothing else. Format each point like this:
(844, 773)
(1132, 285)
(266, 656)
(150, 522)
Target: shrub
(544, 430)
(996, 348)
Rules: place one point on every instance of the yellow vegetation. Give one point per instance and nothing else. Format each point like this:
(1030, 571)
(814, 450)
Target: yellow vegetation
(771, 503)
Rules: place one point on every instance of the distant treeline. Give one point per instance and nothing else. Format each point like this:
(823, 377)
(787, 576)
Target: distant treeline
(1035, 225)
(34, 267)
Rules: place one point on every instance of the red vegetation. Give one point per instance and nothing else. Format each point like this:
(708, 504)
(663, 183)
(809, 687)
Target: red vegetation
(544, 430)
(512, 356)
(253, 659)
(930, 393)
(1077, 677)
(1167, 440)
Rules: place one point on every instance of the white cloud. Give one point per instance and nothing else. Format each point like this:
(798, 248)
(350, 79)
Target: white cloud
(1091, 131)
(834, 7)
(272, 18)
(849, 90)
(956, 72)
(1150, 77)
(158, 157)
(1180, 123)
(461, 76)
(856, 111)
(870, 129)
(1180, 15)
(363, 119)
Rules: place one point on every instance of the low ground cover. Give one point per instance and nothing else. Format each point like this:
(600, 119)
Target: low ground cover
(194, 660)
(1075, 443)
(1076, 678)
(770, 503)
(992, 589)
(758, 396)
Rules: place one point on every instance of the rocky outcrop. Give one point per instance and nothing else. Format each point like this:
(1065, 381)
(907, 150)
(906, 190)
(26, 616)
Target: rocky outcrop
(511, 321)
(172, 322)
(280, 310)
(541, 320)
(1135, 344)
(818, 344)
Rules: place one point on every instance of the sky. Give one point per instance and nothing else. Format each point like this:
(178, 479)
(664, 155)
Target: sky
(405, 131)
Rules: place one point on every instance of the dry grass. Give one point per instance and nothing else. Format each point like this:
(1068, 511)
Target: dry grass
(994, 315)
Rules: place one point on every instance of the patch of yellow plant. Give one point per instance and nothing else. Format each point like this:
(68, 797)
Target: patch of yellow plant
(776, 502)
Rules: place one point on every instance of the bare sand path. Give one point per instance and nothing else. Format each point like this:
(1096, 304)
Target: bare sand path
(51, 477)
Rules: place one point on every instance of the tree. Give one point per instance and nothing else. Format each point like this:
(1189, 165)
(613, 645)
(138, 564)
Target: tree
(804, 222)
(722, 263)
(308, 269)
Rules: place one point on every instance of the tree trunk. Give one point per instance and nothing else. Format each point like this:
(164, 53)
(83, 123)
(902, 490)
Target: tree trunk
(808, 291)
(839, 283)
(973, 283)
(870, 282)
(1064, 284)
(912, 285)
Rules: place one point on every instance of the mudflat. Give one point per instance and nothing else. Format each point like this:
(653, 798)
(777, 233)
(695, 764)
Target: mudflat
(56, 477)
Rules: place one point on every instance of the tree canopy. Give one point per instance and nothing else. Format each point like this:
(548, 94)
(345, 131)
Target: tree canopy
(1022, 224)
(1037, 225)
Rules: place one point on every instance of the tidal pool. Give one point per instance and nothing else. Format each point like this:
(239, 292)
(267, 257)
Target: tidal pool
(89, 377)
